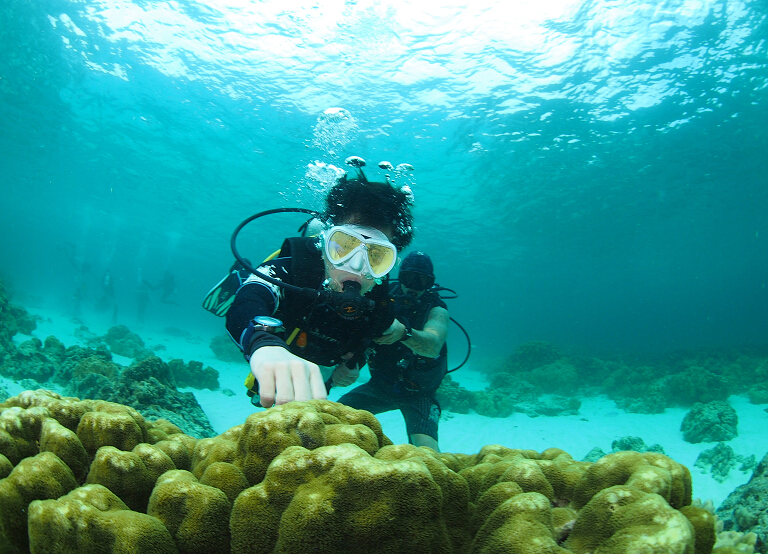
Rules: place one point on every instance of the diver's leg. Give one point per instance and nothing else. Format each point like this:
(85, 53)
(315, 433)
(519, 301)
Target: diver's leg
(367, 397)
(421, 414)
(418, 439)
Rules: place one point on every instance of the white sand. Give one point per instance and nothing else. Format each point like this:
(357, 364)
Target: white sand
(598, 423)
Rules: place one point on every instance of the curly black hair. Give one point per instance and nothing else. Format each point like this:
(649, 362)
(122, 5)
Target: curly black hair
(372, 204)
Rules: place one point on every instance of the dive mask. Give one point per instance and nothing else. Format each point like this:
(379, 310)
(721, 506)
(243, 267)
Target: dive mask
(416, 280)
(361, 250)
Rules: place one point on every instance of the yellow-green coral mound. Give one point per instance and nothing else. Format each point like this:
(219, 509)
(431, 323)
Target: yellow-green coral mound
(92, 520)
(265, 435)
(624, 519)
(340, 499)
(318, 477)
(649, 472)
(39, 477)
(196, 515)
(523, 524)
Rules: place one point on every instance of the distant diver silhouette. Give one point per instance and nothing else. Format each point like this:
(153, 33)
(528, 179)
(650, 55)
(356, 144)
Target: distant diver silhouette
(167, 286)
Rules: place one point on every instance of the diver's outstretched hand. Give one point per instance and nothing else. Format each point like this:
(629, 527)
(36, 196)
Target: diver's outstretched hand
(394, 333)
(284, 377)
(343, 375)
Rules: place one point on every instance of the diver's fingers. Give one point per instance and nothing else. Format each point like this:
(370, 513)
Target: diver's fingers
(284, 382)
(344, 376)
(266, 380)
(317, 385)
(300, 374)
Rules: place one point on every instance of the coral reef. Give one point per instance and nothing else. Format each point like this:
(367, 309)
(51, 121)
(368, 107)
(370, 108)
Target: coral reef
(193, 374)
(28, 360)
(13, 319)
(636, 444)
(712, 422)
(454, 397)
(91, 519)
(720, 459)
(698, 385)
(559, 377)
(534, 354)
(621, 519)
(195, 514)
(39, 477)
(147, 385)
(225, 350)
(746, 508)
(81, 475)
(644, 385)
(758, 393)
(701, 515)
(123, 342)
(506, 395)
(553, 405)
(704, 523)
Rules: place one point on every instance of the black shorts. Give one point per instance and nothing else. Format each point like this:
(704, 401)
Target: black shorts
(420, 410)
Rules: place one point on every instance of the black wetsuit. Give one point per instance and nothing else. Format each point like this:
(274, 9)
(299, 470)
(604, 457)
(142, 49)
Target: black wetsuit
(402, 380)
(324, 336)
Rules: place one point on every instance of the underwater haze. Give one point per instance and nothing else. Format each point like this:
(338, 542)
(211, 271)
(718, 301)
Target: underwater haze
(589, 173)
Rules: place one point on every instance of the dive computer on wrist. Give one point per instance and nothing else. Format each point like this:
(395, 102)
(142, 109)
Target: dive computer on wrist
(408, 329)
(267, 324)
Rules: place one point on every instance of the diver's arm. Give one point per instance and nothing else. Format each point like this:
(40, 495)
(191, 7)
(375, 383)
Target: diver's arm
(429, 341)
(280, 375)
(383, 317)
(252, 300)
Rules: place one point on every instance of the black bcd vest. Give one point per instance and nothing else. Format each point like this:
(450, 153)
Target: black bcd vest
(328, 335)
(397, 363)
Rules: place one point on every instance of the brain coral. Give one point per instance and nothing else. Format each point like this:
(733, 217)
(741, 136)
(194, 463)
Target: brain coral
(123, 473)
(265, 435)
(196, 515)
(111, 425)
(647, 471)
(318, 477)
(339, 499)
(92, 520)
(522, 524)
(39, 477)
(63, 442)
(624, 519)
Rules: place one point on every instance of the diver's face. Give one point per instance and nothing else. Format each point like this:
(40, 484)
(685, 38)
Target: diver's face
(338, 276)
(413, 293)
(355, 268)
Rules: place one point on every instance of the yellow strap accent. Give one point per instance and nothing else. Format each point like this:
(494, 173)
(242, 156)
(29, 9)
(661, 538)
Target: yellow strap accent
(272, 256)
(292, 336)
(250, 381)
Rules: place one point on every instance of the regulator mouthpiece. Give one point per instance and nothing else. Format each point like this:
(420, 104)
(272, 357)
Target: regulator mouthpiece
(351, 286)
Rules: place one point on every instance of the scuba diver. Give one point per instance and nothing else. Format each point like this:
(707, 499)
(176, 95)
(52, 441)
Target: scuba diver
(107, 299)
(167, 286)
(83, 274)
(405, 373)
(322, 300)
(142, 300)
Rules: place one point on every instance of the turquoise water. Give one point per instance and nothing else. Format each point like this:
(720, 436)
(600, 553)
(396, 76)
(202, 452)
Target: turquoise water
(588, 173)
